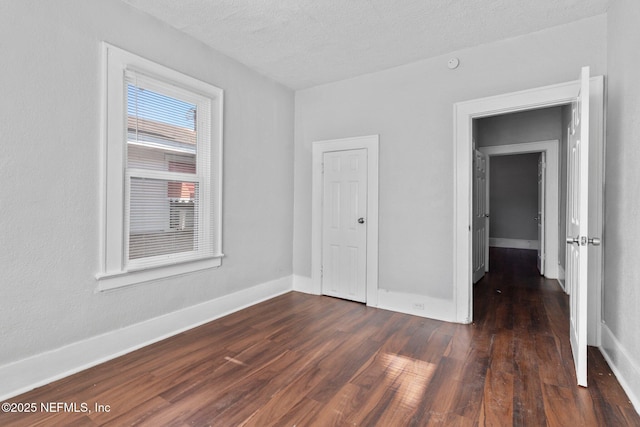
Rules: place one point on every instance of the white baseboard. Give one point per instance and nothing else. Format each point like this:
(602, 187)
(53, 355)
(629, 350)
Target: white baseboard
(303, 284)
(623, 365)
(24, 375)
(561, 278)
(500, 242)
(417, 305)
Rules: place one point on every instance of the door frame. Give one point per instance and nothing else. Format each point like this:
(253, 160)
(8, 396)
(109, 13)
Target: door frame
(551, 194)
(485, 250)
(542, 97)
(371, 144)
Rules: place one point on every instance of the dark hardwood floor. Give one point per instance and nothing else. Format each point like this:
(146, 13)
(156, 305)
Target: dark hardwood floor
(302, 360)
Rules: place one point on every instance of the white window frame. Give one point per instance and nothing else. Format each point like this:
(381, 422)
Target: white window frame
(115, 269)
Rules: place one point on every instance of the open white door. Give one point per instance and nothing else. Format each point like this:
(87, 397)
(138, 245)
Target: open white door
(480, 215)
(577, 227)
(344, 228)
(541, 218)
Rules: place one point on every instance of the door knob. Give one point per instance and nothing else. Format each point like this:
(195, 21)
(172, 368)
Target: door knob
(360, 220)
(583, 241)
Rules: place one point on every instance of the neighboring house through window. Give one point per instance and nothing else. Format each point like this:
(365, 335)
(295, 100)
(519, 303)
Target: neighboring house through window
(162, 187)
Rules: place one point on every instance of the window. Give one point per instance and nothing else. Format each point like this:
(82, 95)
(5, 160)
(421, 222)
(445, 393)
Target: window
(162, 180)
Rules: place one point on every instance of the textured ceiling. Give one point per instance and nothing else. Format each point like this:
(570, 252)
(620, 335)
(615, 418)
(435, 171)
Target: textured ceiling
(303, 43)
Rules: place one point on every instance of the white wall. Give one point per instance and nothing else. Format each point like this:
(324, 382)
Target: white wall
(513, 196)
(544, 124)
(410, 107)
(621, 333)
(50, 62)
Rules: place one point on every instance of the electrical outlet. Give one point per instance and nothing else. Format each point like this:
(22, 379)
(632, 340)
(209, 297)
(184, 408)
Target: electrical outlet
(418, 306)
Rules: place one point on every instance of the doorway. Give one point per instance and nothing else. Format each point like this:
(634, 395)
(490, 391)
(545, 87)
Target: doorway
(548, 96)
(549, 218)
(344, 224)
(337, 269)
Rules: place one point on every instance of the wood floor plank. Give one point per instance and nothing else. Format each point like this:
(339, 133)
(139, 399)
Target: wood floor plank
(397, 341)
(555, 402)
(439, 394)
(460, 344)
(497, 404)
(135, 416)
(302, 414)
(336, 410)
(383, 405)
(284, 402)
(233, 369)
(343, 364)
(468, 398)
(240, 402)
(429, 346)
(305, 360)
(528, 405)
(394, 390)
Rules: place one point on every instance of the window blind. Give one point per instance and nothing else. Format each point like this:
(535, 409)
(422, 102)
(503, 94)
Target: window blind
(167, 173)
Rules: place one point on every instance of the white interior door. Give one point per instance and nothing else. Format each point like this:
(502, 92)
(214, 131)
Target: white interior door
(344, 224)
(541, 211)
(577, 228)
(480, 215)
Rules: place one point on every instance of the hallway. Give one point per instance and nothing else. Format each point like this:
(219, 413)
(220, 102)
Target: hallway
(524, 316)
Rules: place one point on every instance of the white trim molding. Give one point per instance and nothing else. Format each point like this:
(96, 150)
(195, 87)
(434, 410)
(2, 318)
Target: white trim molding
(561, 276)
(370, 143)
(303, 284)
(463, 115)
(417, 305)
(116, 268)
(623, 365)
(24, 375)
(551, 214)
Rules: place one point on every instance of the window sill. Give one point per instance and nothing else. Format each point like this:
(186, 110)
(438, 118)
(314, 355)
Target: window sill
(115, 280)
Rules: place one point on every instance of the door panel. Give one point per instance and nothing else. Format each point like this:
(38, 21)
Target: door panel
(541, 212)
(577, 228)
(344, 227)
(480, 238)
